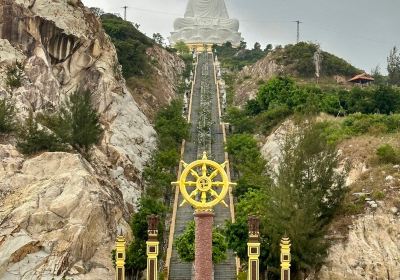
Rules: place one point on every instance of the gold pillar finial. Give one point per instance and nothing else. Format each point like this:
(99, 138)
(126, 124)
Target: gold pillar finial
(152, 247)
(285, 258)
(253, 248)
(120, 244)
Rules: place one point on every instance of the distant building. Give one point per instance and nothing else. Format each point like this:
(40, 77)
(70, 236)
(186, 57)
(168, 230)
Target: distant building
(362, 79)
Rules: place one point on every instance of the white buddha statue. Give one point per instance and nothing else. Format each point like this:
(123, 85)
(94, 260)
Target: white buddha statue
(206, 22)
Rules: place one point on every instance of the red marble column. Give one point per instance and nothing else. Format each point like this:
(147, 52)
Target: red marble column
(203, 264)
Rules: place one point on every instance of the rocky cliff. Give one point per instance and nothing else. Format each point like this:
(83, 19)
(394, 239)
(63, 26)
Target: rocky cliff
(252, 76)
(156, 91)
(59, 214)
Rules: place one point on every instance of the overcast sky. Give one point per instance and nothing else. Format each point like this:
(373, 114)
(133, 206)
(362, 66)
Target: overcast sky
(360, 31)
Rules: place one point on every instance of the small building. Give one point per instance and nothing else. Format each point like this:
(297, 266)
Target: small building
(362, 79)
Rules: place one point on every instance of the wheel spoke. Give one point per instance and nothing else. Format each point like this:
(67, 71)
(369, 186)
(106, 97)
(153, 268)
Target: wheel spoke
(213, 193)
(216, 195)
(183, 203)
(204, 170)
(203, 197)
(194, 174)
(214, 174)
(193, 193)
(217, 184)
(190, 183)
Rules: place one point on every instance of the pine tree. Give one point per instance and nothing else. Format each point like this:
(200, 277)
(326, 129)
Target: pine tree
(86, 129)
(32, 139)
(393, 67)
(308, 192)
(7, 115)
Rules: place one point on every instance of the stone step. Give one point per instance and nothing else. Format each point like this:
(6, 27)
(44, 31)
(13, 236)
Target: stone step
(178, 269)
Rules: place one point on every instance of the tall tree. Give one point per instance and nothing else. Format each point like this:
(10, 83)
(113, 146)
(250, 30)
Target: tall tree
(86, 128)
(182, 48)
(158, 38)
(300, 202)
(379, 79)
(7, 115)
(393, 67)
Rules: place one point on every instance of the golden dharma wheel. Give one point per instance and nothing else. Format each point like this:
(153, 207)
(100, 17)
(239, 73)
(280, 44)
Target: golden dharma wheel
(204, 183)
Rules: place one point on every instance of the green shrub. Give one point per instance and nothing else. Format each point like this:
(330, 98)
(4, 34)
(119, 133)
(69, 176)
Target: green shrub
(77, 123)
(7, 115)
(239, 120)
(170, 125)
(387, 154)
(14, 76)
(185, 245)
(136, 259)
(130, 43)
(300, 58)
(277, 91)
(32, 139)
(271, 118)
(378, 195)
(85, 121)
(237, 58)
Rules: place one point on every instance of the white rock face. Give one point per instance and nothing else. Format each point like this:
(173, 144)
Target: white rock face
(261, 71)
(370, 252)
(54, 213)
(271, 149)
(53, 69)
(59, 214)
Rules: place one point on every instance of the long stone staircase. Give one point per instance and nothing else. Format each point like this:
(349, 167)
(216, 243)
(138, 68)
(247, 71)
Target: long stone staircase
(205, 75)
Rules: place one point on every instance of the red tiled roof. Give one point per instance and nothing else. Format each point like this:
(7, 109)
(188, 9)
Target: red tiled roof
(362, 77)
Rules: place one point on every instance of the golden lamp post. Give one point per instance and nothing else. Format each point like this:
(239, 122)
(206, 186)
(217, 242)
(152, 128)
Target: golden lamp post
(285, 258)
(204, 184)
(152, 247)
(120, 257)
(253, 248)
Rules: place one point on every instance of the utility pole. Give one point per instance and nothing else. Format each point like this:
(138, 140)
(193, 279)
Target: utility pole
(298, 29)
(125, 8)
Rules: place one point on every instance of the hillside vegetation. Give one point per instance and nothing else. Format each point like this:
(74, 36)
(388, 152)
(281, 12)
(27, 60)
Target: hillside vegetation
(294, 193)
(130, 43)
(298, 59)
(235, 59)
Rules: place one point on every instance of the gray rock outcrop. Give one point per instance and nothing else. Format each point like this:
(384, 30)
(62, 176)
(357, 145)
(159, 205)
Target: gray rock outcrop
(59, 214)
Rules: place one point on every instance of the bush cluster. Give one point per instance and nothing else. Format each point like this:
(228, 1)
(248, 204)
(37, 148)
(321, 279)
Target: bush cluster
(283, 91)
(372, 110)
(237, 58)
(185, 245)
(76, 124)
(300, 57)
(33, 139)
(130, 43)
(14, 76)
(387, 154)
(7, 115)
(359, 124)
